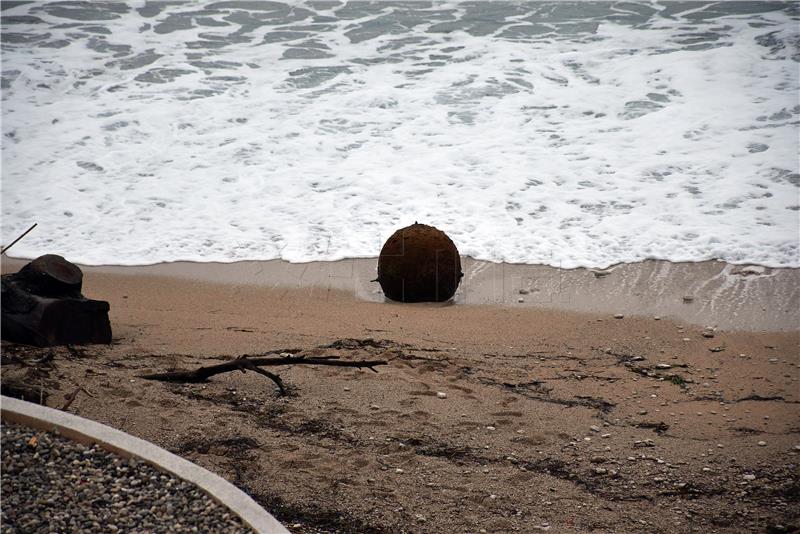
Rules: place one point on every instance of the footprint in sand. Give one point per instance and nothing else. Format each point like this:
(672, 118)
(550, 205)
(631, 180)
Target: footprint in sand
(430, 368)
(420, 415)
(298, 464)
(461, 388)
(120, 392)
(422, 393)
(533, 440)
(508, 414)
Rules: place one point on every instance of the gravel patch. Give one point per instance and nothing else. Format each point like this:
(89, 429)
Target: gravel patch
(51, 484)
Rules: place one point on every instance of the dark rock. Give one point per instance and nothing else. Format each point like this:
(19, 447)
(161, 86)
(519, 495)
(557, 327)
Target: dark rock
(419, 263)
(42, 305)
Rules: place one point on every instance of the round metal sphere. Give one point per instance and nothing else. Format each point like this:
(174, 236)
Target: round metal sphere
(419, 263)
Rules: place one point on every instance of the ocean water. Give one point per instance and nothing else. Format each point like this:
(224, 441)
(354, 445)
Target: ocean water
(564, 133)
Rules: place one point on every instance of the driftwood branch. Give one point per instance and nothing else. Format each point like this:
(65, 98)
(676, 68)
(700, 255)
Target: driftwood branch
(272, 376)
(245, 363)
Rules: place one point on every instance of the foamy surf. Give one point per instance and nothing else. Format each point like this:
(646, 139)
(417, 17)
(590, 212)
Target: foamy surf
(570, 135)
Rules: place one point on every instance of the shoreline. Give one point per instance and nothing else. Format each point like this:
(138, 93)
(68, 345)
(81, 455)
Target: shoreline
(709, 293)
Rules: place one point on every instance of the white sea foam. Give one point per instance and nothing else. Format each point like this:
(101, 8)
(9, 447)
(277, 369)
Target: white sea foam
(252, 130)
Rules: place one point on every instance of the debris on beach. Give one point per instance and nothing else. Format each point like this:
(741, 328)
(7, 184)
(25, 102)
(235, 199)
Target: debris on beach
(42, 305)
(751, 270)
(255, 364)
(419, 263)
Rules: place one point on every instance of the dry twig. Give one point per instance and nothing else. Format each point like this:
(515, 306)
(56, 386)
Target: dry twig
(17, 239)
(70, 397)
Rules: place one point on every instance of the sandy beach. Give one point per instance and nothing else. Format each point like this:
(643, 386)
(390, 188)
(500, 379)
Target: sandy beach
(491, 414)
(616, 181)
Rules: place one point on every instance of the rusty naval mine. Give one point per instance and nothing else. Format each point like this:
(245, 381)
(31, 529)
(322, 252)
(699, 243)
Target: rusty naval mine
(419, 263)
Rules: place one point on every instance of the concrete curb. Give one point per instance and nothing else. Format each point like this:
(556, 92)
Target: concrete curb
(88, 432)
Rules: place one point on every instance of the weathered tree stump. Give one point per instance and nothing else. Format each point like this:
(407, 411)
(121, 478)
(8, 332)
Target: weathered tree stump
(51, 275)
(419, 263)
(42, 305)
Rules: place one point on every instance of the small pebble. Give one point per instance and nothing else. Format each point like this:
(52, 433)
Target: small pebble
(441, 394)
(619, 316)
(762, 443)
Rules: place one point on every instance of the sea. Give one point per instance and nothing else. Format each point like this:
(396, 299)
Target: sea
(572, 134)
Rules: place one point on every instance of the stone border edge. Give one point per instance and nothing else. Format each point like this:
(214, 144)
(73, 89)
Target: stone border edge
(88, 432)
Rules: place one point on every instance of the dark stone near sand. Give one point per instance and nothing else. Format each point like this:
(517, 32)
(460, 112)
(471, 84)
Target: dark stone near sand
(419, 263)
(42, 305)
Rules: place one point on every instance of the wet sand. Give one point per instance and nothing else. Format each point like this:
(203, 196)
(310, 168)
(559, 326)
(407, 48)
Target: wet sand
(710, 293)
(556, 415)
